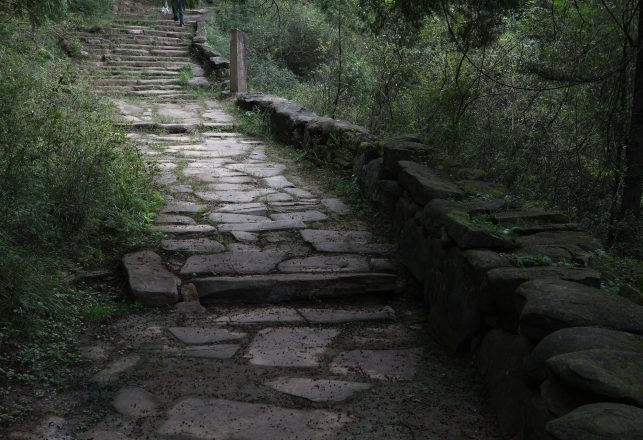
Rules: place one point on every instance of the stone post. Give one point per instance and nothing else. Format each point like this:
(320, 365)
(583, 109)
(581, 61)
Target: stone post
(238, 62)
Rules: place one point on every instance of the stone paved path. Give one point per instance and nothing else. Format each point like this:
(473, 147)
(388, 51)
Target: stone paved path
(284, 349)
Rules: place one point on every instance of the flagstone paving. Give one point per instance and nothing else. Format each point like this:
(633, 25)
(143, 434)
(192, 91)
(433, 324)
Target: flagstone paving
(344, 356)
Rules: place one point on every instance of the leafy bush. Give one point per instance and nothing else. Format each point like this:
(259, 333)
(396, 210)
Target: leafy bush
(72, 186)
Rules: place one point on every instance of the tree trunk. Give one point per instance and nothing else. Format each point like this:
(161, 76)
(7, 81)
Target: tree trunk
(633, 181)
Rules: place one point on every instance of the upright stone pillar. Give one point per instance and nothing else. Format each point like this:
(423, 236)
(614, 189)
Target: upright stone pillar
(238, 62)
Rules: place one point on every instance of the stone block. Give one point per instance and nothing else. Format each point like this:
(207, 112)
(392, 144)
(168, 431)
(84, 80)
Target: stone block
(548, 305)
(149, 281)
(599, 421)
(398, 150)
(424, 184)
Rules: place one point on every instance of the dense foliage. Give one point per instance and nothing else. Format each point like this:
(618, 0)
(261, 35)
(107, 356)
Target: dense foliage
(73, 190)
(536, 93)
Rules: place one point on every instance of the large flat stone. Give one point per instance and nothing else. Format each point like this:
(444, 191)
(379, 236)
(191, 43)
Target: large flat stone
(220, 351)
(245, 236)
(280, 225)
(233, 263)
(149, 281)
(219, 217)
(551, 305)
(611, 374)
(184, 229)
(318, 390)
(207, 419)
(243, 208)
(262, 315)
(194, 246)
(599, 421)
(344, 242)
(336, 316)
(177, 206)
(574, 339)
(175, 219)
(321, 263)
(290, 347)
(287, 287)
(304, 216)
(135, 402)
(258, 170)
(277, 182)
(232, 196)
(391, 365)
(203, 336)
(299, 193)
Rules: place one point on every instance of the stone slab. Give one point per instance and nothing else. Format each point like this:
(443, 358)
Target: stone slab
(329, 236)
(221, 351)
(304, 216)
(206, 419)
(258, 170)
(277, 197)
(322, 263)
(245, 236)
(176, 219)
(390, 365)
(299, 193)
(280, 225)
(318, 390)
(203, 336)
(277, 182)
(149, 281)
(135, 402)
(176, 206)
(263, 315)
(245, 262)
(232, 196)
(219, 217)
(194, 246)
(336, 316)
(243, 208)
(184, 229)
(290, 347)
(287, 287)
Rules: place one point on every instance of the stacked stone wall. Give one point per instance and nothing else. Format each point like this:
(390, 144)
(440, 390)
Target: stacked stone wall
(512, 285)
(208, 56)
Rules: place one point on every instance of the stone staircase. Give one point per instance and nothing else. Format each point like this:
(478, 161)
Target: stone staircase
(142, 56)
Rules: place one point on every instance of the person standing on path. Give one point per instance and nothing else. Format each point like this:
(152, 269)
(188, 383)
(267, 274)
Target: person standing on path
(178, 10)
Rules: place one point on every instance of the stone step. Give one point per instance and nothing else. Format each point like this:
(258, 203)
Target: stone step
(109, 71)
(183, 58)
(135, 82)
(130, 52)
(139, 31)
(276, 288)
(134, 39)
(143, 64)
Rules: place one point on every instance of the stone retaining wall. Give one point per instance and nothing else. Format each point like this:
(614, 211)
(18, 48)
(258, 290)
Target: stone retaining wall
(208, 56)
(514, 286)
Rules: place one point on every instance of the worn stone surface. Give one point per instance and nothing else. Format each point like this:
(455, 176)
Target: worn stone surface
(616, 375)
(218, 217)
(219, 351)
(245, 262)
(551, 305)
(149, 281)
(345, 263)
(172, 218)
(574, 339)
(424, 184)
(599, 421)
(336, 316)
(279, 225)
(290, 347)
(193, 245)
(202, 336)
(391, 365)
(263, 315)
(287, 287)
(318, 390)
(135, 402)
(206, 419)
(336, 206)
(277, 182)
(184, 229)
(305, 216)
